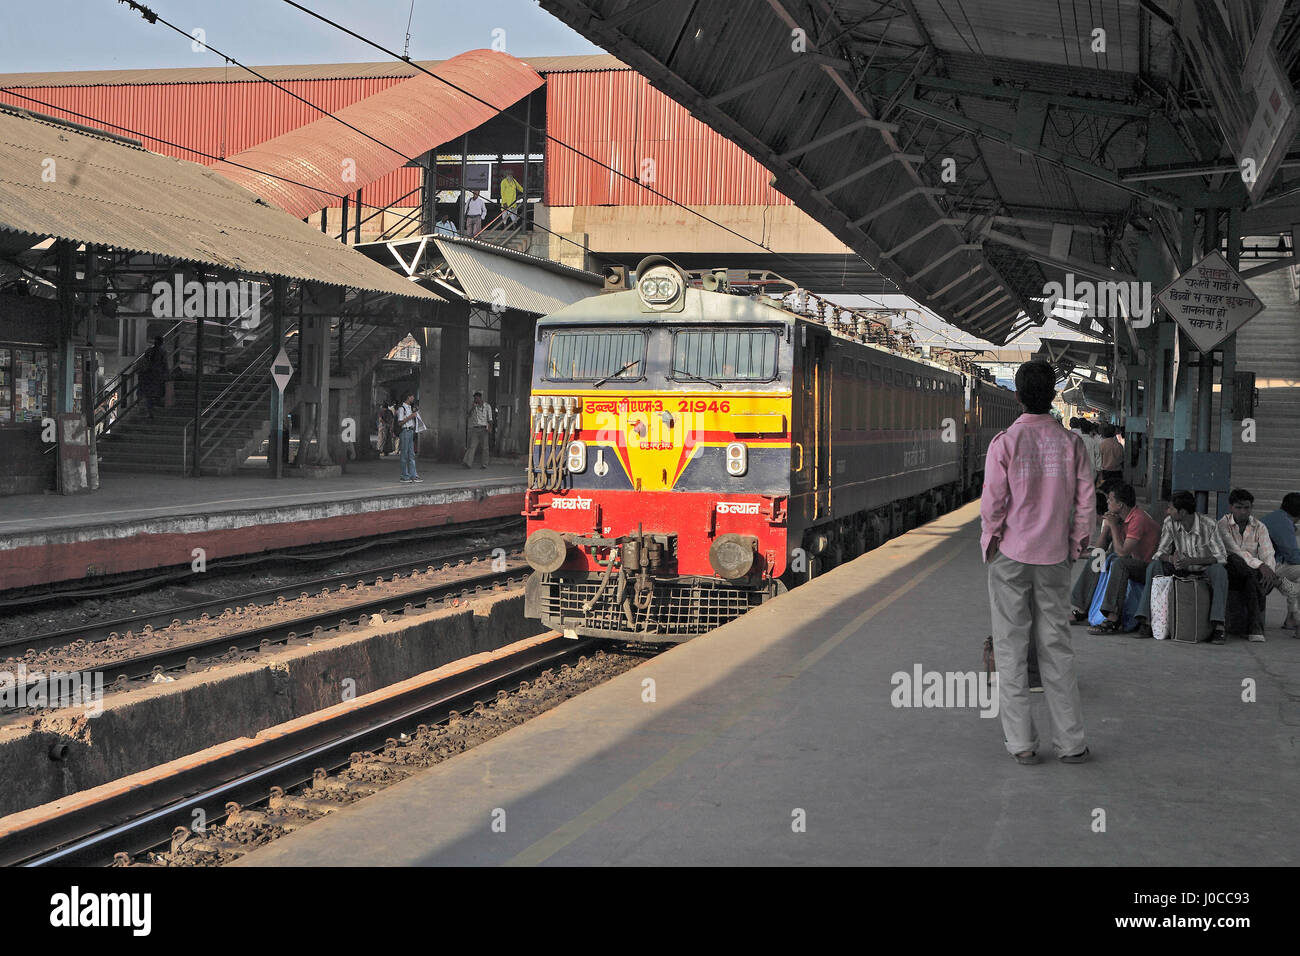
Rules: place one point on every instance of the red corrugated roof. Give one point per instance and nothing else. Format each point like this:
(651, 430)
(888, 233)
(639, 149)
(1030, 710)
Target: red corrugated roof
(413, 117)
(620, 119)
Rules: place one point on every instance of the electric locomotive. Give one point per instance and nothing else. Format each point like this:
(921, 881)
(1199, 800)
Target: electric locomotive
(695, 452)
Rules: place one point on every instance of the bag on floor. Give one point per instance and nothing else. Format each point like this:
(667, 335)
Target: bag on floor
(1189, 610)
(1096, 616)
(1160, 607)
(990, 664)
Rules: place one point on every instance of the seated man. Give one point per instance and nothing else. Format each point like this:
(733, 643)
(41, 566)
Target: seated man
(1085, 580)
(1189, 542)
(1135, 536)
(1250, 558)
(1281, 525)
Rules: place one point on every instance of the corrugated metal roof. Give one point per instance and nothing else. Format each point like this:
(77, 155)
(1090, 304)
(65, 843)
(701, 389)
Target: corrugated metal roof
(619, 118)
(383, 69)
(490, 275)
(412, 117)
(944, 73)
(98, 190)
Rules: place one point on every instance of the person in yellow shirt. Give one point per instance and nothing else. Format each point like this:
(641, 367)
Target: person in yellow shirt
(510, 193)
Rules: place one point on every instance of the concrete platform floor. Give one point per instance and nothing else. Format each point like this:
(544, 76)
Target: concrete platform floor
(131, 497)
(786, 716)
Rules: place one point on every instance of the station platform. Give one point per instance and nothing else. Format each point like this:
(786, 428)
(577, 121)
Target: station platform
(786, 715)
(140, 521)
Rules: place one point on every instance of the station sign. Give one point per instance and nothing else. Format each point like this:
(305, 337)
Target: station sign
(281, 370)
(1210, 301)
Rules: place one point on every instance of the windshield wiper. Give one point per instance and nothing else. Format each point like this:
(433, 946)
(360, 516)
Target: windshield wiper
(618, 373)
(698, 378)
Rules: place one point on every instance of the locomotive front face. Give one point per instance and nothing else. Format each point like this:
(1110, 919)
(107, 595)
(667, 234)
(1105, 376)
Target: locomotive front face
(660, 467)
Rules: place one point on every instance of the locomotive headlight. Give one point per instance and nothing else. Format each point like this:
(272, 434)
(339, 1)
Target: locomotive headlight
(737, 459)
(659, 286)
(577, 456)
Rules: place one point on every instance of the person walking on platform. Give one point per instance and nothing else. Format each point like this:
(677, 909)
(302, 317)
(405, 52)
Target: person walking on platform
(406, 416)
(153, 376)
(1037, 513)
(480, 428)
(510, 190)
(1110, 453)
(1281, 525)
(475, 210)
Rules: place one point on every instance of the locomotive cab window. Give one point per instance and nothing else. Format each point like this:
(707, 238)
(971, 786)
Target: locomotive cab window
(587, 354)
(736, 355)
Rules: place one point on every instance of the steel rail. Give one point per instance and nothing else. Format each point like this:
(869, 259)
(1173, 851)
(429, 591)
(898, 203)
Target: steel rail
(257, 638)
(265, 596)
(141, 818)
(131, 583)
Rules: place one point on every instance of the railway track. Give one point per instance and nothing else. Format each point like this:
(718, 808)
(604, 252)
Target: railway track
(135, 582)
(188, 654)
(135, 819)
(266, 596)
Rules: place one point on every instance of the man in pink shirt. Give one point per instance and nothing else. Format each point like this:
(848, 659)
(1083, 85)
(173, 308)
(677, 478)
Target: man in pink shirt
(1037, 511)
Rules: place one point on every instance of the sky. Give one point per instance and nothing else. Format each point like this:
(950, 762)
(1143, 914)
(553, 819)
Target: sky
(106, 34)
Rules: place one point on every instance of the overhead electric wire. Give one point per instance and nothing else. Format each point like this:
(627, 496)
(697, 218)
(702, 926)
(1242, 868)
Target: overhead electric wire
(151, 17)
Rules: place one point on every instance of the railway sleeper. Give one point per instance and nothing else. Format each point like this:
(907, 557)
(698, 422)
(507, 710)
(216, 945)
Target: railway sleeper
(281, 801)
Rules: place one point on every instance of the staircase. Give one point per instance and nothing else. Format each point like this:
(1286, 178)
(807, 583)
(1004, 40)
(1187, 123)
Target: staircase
(235, 399)
(1269, 346)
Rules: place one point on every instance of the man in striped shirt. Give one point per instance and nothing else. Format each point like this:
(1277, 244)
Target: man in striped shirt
(1189, 542)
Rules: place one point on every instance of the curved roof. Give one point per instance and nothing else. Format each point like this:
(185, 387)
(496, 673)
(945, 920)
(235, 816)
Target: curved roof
(411, 118)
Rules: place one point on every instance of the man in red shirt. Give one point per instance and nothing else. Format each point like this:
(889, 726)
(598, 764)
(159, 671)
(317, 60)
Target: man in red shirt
(1037, 512)
(1135, 535)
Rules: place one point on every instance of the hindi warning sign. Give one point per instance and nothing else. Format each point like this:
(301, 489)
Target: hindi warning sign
(1210, 301)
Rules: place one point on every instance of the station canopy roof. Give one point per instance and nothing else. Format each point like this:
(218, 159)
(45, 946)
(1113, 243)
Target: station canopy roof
(1070, 356)
(302, 170)
(61, 182)
(974, 151)
(485, 274)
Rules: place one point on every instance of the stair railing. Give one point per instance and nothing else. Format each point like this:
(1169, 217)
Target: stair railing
(217, 418)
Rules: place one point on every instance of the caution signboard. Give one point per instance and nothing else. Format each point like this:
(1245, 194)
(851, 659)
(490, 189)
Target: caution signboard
(281, 370)
(1210, 301)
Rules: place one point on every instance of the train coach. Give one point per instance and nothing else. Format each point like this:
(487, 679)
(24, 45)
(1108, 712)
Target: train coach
(696, 451)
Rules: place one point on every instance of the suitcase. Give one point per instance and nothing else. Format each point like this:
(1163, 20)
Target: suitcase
(1189, 610)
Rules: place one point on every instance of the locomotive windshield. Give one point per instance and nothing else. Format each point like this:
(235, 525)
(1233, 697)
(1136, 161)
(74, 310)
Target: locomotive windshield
(586, 355)
(736, 355)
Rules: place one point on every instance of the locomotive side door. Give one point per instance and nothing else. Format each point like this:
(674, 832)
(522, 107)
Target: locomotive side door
(818, 354)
